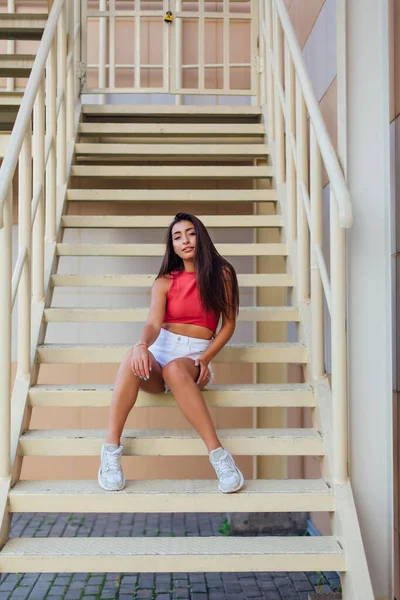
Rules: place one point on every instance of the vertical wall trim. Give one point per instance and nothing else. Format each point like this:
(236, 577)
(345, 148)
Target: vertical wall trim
(369, 284)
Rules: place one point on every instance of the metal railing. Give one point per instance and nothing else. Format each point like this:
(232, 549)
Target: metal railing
(47, 118)
(287, 91)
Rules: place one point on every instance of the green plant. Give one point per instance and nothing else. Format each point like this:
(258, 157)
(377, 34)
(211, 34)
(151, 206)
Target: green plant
(225, 528)
(320, 581)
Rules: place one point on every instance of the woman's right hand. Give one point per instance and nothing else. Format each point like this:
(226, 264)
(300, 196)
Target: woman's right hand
(140, 362)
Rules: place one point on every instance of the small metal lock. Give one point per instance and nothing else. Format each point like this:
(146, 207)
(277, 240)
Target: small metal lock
(168, 17)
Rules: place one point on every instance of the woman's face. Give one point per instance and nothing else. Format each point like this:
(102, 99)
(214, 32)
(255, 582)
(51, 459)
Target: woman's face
(184, 239)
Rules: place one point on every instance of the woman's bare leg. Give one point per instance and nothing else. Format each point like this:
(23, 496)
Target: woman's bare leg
(125, 393)
(180, 375)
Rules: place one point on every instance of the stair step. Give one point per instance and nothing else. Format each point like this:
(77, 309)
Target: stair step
(144, 222)
(114, 353)
(164, 495)
(135, 315)
(231, 395)
(171, 172)
(125, 110)
(11, 99)
(172, 442)
(182, 554)
(212, 195)
(159, 249)
(174, 150)
(146, 281)
(175, 129)
(16, 65)
(22, 26)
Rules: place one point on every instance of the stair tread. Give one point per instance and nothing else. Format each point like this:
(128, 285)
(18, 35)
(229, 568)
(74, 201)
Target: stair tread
(172, 149)
(100, 434)
(172, 171)
(92, 109)
(229, 387)
(172, 495)
(175, 487)
(146, 280)
(228, 395)
(195, 195)
(126, 221)
(127, 346)
(229, 249)
(202, 129)
(22, 26)
(180, 554)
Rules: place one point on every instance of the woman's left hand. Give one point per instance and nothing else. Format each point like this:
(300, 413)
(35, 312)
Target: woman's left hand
(204, 374)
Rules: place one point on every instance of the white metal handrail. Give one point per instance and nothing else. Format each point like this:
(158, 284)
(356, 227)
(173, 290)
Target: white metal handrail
(43, 130)
(329, 156)
(287, 95)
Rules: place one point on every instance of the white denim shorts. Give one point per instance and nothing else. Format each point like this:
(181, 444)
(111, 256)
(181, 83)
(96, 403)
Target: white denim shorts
(169, 346)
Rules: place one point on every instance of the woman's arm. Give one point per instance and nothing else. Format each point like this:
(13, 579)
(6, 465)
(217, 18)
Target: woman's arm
(155, 317)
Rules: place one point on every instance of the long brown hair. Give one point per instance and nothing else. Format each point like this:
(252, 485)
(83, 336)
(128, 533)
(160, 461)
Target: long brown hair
(212, 270)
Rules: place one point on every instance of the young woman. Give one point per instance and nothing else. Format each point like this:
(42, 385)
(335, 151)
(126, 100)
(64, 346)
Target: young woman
(194, 286)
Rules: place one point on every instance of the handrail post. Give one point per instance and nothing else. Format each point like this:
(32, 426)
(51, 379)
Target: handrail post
(102, 51)
(51, 128)
(38, 182)
(339, 349)
(61, 88)
(270, 79)
(24, 239)
(302, 175)
(279, 119)
(317, 307)
(5, 346)
(70, 84)
(290, 168)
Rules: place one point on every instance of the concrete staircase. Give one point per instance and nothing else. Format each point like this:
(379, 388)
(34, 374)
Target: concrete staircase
(213, 157)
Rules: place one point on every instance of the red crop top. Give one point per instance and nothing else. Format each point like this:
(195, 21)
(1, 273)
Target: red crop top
(184, 303)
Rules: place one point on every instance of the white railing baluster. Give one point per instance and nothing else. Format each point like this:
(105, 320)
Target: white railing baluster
(38, 188)
(302, 176)
(317, 313)
(25, 242)
(61, 81)
(70, 84)
(5, 328)
(270, 78)
(279, 118)
(51, 132)
(338, 343)
(102, 50)
(290, 165)
(10, 82)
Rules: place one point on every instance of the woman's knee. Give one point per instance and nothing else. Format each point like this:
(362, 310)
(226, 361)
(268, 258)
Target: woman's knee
(174, 369)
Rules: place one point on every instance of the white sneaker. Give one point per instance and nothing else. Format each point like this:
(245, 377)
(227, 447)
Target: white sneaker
(110, 475)
(230, 479)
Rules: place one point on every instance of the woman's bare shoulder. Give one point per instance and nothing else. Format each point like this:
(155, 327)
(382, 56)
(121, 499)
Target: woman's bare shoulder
(162, 283)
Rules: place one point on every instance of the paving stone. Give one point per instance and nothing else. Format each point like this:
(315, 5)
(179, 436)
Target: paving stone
(108, 594)
(198, 597)
(272, 596)
(4, 595)
(72, 595)
(163, 597)
(7, 586)
(144, 594)
(198, 588)
(303, 586)
(57, 590)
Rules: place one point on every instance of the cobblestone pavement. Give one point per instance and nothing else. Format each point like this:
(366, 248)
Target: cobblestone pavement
(159, 586)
